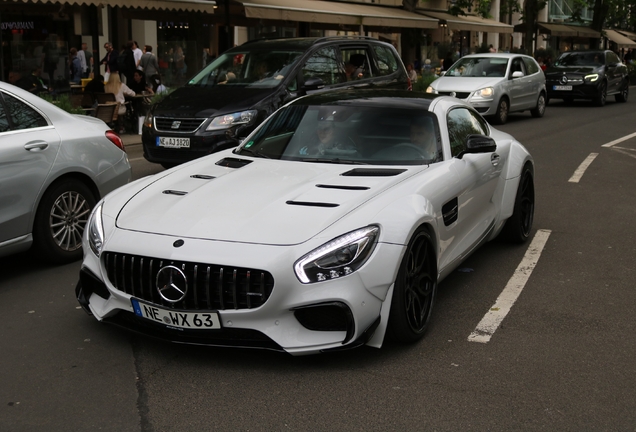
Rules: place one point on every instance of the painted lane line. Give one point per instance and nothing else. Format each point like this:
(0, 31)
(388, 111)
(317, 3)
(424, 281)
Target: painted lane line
(620, 150)
(581, 169)
(493, 318)
(620, 140)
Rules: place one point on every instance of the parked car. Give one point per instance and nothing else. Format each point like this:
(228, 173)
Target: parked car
(591, 75)
(230, 97)
(55, 167)
(495, 84)
(329, 227)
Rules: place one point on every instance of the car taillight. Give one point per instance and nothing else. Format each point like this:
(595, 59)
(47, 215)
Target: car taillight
(115, 139)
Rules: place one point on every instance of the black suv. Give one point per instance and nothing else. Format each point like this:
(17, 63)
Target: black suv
(230, 97)
(588, 75)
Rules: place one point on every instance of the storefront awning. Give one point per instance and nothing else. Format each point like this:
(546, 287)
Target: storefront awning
(469, 22)
(557, 30)
(619, 39)
(177, 5)
(586, 32)
(629, 34)
(320, 11)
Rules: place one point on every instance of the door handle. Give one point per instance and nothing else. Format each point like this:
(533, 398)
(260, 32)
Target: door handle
(494, 159)
(36, 145)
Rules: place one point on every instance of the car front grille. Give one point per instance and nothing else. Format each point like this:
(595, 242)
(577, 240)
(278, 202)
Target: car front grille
(458, 95)
(171, 124)
(210, 287)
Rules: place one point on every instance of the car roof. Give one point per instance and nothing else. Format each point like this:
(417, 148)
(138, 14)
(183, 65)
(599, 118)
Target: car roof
(495, 55)
(370, 97)
(302, 43)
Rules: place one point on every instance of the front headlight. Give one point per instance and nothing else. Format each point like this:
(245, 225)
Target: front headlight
(487, 92)
(591, 77)
(96, 230)
(148, 120)
(339, 257)
(228, 120)
(430, 89)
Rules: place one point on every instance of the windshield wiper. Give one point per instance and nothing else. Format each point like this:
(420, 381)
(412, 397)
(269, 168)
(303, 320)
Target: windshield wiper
(334, 161)
(254, 153)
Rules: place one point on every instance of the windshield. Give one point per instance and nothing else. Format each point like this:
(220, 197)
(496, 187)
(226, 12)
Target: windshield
(479, 67)
(581, 59)
(262, 69)
(347, 134)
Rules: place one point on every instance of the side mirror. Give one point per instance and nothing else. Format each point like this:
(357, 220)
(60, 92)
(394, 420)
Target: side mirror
(313, 83)
(478, 144)
(517, 74)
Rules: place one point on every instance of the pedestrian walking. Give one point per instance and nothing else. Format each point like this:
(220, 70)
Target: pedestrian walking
(149, 64)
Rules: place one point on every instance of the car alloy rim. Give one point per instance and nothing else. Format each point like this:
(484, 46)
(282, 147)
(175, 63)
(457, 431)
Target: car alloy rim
(541, 104)
(503, 113)
(603, 93)
(419, 282)
(526, 206)
(67, 220)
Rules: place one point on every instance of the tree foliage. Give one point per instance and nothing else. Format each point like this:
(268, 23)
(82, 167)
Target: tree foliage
(481, 7)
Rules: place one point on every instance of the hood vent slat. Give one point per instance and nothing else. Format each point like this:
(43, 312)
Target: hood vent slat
(311, 204)
(174, 192)
(373, 172)
(202, 177)
(343, 187)
(233, 162)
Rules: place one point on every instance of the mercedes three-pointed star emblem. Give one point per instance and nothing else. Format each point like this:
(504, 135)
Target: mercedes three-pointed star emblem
(172, 284)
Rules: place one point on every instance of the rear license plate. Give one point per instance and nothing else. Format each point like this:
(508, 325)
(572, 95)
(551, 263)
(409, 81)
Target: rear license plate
(171, 142)
(206, 320)
(562, 88)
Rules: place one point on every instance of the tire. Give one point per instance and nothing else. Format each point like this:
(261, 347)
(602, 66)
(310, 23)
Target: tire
(60, 221)
(501, 116)
(518, 226)
(414, 291)
(601, 98)
(624, 94)
(539, 110)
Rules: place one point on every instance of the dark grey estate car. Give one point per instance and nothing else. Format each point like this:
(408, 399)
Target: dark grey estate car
(235, 93)
(591, 75)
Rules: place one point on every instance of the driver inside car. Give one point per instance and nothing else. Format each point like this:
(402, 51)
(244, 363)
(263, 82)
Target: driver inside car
(325, 138)
(422, 135)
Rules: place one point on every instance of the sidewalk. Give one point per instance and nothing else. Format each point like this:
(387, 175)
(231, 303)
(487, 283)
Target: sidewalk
(131, 139)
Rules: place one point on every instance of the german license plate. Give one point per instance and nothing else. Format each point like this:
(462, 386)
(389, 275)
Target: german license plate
(205, 320)
(562, 88)
(171, 142)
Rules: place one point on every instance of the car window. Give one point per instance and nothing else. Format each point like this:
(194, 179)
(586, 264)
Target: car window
(461, 123)
(356, 63)
(531, 65)
(387, 63)
(517, 66)
(612, 58)
(357, 134)
(22, 115)
(4, 121)
(581, 59)
(323, 64)
(479, 67)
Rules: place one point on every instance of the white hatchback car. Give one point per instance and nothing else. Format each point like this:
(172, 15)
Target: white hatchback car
(54, 167)
(495, 84)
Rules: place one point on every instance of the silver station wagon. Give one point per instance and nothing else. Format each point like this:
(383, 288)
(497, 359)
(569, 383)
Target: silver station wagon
(495, 84)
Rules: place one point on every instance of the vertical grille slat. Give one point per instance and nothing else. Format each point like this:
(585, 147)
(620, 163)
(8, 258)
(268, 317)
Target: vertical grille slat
(210, 286)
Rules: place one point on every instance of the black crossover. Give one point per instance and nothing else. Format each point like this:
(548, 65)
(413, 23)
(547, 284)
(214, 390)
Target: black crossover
(226, 100)
(591, 75)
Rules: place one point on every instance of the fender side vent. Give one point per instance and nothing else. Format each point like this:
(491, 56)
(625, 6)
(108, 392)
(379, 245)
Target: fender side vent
(311, 204)
(450, 211)
(233, 162)
(202, 177)
(343, 187)
(373, 172)
(174, 192)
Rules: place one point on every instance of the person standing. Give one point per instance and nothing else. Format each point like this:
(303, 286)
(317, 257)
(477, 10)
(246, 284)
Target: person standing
(82, 58)
(88, 56)
(127, 65)
(110, 60)
(138, 53)
(149, 64)
(75, 66)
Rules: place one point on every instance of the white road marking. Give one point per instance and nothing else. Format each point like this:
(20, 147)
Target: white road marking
(581, 169)
(493, 318)
(620, 140)
(622, 151)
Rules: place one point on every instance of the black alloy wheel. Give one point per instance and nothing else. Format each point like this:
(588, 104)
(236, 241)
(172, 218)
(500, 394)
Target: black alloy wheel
(601, 98)
(518, 227)
(624, 93)
(414, 291)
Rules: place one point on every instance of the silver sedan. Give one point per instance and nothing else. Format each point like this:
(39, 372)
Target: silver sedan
(495, 84)
(54, 167)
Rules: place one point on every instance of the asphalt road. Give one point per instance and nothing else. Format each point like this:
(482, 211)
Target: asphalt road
(562, 359)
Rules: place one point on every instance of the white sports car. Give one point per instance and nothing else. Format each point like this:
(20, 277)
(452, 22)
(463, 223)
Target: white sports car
(329, 227)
